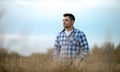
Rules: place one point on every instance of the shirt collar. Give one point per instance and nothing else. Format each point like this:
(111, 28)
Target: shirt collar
(74, 30)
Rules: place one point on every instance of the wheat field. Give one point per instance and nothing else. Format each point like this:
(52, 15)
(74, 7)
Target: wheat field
(100, 59)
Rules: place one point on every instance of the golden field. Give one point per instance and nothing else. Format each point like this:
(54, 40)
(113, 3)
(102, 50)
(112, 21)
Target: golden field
(100, 59)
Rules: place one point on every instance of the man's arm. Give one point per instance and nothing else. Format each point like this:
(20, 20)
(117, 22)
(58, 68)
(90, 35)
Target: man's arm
(84, 45)
(57, 48)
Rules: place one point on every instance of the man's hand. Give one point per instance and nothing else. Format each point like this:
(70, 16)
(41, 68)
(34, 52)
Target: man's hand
(76, 62)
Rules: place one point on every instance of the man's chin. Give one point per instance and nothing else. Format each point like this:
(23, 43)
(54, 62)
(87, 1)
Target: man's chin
(65, 27)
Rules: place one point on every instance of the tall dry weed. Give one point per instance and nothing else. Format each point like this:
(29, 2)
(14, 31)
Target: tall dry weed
(101, 59)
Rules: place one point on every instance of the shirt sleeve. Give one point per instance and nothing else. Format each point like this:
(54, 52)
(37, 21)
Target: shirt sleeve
(84, 46)
(57, 48)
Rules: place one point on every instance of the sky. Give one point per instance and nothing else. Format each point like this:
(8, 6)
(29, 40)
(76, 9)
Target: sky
(28, 26)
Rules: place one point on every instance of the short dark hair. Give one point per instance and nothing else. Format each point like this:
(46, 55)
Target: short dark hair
(72, 17)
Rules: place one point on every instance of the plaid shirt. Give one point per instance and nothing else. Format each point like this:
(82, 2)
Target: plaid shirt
(73, 46)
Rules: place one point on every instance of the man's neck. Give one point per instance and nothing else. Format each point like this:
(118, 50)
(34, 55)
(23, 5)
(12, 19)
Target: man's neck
(69, 29)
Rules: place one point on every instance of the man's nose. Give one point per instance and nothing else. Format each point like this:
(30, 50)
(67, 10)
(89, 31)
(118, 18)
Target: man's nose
(63, 22)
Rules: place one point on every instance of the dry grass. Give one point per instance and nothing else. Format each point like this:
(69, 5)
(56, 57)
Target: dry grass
(99, 60)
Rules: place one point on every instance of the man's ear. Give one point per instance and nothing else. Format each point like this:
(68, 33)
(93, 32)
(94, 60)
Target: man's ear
(73, 21)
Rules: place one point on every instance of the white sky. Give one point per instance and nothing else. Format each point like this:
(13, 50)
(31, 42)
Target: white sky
(29, 16)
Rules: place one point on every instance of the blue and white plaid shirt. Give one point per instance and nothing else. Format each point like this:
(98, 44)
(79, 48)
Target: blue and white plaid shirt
(73, 46)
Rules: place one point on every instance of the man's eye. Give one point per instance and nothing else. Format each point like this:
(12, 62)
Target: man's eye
(66, 20)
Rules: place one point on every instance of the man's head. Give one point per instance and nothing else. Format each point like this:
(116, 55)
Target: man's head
(68, 20)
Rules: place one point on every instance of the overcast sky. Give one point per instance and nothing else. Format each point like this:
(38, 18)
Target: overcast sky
(31, 25)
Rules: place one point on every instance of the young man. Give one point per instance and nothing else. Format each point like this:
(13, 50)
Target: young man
(70, 44)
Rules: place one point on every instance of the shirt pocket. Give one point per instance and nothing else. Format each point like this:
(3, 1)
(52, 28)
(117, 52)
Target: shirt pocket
(73, 41)
(63, 41)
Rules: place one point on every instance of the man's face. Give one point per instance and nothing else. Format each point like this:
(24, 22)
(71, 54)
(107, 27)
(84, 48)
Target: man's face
(67, 22)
